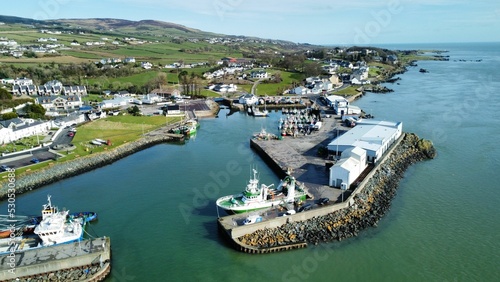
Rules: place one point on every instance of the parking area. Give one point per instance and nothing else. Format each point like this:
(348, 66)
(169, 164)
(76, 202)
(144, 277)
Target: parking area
(18, 161)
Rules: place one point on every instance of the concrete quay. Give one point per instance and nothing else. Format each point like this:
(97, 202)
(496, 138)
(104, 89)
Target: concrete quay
(299, 156)
(346, 215)
(87, 260)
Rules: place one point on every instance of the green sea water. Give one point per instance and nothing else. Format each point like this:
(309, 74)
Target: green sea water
(158, 205)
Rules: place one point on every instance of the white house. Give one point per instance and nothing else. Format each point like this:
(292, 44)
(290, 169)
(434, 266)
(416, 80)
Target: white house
(15, 129)
(299, 90)
(348, 168)
(23, 81)
(129, 60)
(59, 104)
(146, 65)
(248, 99)
(79, 90)
(259, 74)
(7, 81)
(375, 137)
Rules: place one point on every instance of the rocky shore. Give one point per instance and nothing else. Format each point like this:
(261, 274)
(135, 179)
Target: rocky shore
(83, 164)
(368, 206)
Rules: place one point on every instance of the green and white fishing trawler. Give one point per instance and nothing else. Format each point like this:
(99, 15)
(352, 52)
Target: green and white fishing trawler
(257, 197)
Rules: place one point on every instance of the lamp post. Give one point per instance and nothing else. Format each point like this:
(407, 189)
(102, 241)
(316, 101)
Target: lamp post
(343, 187)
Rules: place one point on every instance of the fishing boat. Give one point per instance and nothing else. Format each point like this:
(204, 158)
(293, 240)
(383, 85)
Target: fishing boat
(55, 227)
(191, 127)
(17, 224)
(258, 196)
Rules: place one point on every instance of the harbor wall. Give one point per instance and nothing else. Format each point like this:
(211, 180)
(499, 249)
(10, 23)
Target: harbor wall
(89, 260)
(362, 209)
(82, 164)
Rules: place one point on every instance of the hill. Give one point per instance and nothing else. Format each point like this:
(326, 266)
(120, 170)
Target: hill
(144, 27)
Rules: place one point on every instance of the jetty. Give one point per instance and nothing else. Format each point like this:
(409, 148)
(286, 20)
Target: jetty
(349, 212)
(86, 260)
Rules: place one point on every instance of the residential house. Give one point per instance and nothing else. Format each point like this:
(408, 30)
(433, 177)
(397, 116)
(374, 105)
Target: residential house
(393, 59)
(24, 90)
(78, 90)
(128, 60)
(248, 99)
(225, 88)
(7, 81)
(56, 105)
(15, 129)
(23, 81)
(146, 65)
(299, 90)
(259, 74)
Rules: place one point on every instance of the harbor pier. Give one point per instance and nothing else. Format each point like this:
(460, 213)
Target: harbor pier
(86, 260)
(361, 208)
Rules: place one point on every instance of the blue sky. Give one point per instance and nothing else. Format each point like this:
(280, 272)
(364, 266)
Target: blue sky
(359, 22)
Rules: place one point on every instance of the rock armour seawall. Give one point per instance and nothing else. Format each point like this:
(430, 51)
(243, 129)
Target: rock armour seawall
(369, 205)
(80, 165)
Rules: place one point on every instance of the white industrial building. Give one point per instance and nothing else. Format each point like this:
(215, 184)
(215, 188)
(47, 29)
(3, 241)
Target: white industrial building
(373, 136)
(348, 168)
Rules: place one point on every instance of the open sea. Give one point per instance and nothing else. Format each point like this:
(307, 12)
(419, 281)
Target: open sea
(158, 205)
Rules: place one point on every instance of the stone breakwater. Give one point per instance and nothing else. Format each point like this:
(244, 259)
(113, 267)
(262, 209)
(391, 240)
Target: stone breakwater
(367, 206)
(95, 272)
(82, 164)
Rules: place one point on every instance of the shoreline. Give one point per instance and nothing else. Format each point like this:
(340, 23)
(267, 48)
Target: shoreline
(84, 164)
(59, 171)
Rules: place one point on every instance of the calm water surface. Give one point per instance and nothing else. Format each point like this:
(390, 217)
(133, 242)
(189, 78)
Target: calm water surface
(158, 205)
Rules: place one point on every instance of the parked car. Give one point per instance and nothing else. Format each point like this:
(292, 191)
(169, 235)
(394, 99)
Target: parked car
(4, 168)
(305, 207)
(35, 160)
(323, 201)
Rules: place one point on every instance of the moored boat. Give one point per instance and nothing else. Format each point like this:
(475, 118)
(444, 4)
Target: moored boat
(52, 228)
(258, 196)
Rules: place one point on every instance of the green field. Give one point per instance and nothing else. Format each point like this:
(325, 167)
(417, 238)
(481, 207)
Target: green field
(117, 129)
(348, 91)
